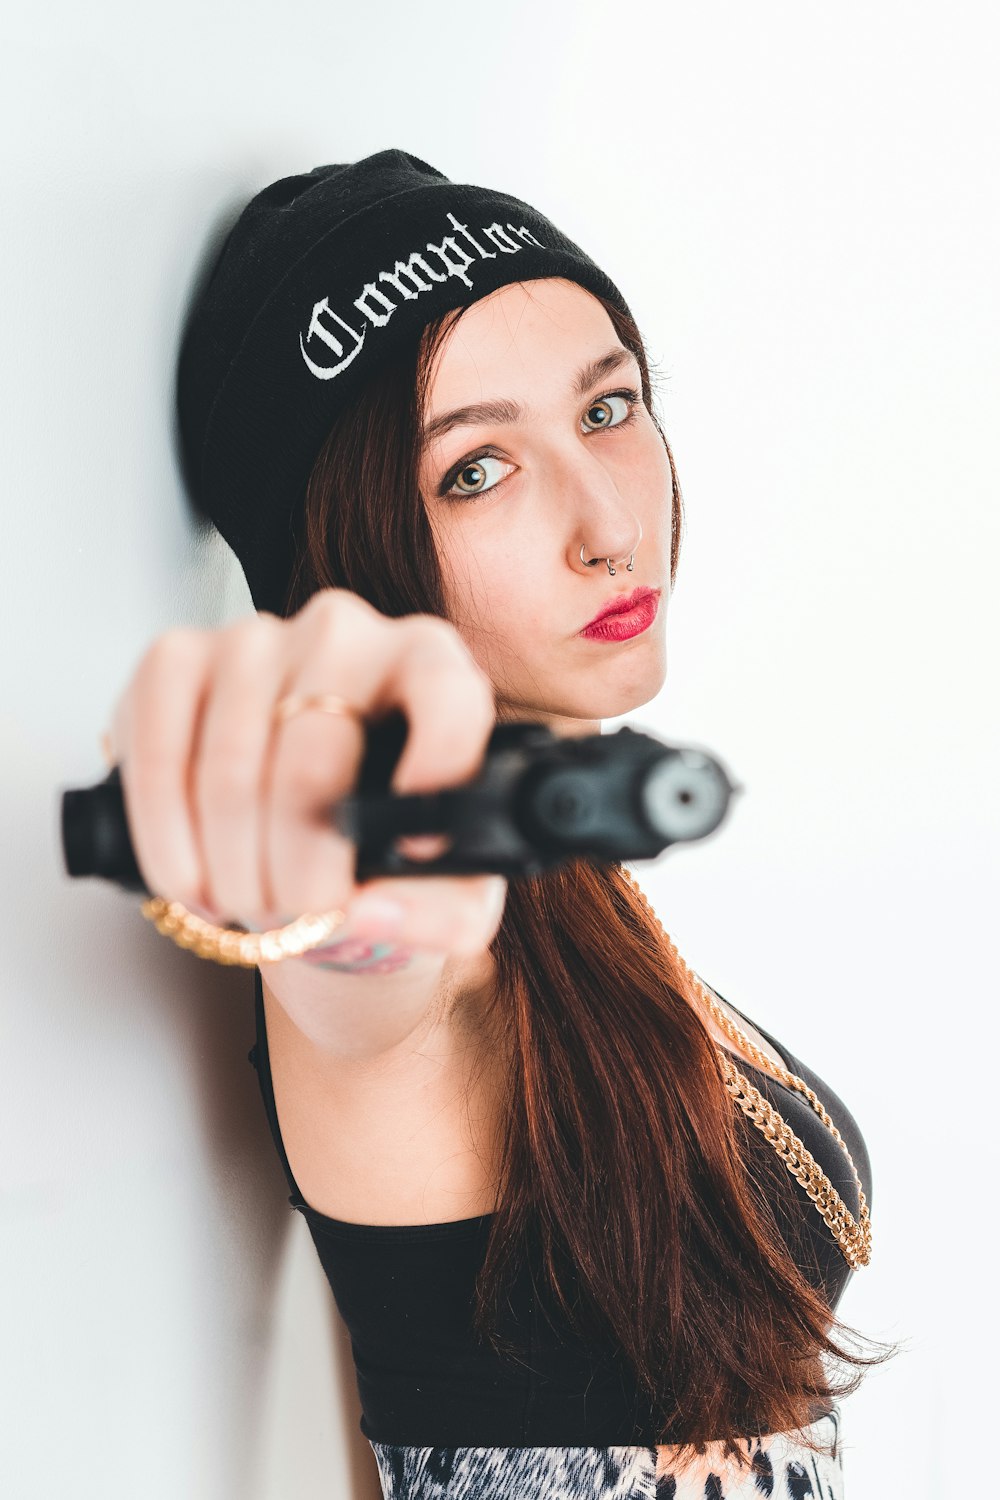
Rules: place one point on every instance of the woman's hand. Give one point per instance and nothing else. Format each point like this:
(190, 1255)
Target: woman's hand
(225, 806)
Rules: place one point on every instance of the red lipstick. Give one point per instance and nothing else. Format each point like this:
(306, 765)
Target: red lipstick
(624, 617)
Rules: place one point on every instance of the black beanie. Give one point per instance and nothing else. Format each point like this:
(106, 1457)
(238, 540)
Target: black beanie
(321, 279)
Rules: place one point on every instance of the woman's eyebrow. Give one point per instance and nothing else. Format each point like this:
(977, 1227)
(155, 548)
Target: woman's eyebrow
(505, 412)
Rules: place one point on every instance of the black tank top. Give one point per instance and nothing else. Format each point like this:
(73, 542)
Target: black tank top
(405, 1294)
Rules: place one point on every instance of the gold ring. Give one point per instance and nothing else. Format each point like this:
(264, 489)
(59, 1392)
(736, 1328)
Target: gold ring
(327, 703)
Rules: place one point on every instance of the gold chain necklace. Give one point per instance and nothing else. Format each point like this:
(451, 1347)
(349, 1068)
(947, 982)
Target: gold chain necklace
(852, 1235)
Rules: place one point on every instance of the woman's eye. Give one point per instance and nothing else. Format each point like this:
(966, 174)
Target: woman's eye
(472, 476)
(604, 404)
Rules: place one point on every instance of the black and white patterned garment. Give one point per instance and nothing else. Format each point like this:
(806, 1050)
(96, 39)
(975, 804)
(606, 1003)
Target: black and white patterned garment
(448, 1419)
(781, 1468)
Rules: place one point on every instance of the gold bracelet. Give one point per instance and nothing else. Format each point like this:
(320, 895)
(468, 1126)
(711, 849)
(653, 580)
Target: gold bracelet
(231, 945)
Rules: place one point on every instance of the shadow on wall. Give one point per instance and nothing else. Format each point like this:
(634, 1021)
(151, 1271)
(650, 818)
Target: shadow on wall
(289, 1347)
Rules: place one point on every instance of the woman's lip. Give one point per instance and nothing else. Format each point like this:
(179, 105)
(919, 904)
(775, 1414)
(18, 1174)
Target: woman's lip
(637, 596)
(621, 625)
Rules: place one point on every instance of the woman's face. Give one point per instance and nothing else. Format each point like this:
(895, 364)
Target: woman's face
(527, 488)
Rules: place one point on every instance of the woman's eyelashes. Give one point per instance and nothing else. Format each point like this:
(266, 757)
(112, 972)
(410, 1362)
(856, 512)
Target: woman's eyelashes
(452, 485)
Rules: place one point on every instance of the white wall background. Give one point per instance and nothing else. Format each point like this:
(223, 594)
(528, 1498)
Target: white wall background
(800, 202)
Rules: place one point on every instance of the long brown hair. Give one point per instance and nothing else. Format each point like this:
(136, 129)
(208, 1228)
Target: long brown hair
(647, 1192)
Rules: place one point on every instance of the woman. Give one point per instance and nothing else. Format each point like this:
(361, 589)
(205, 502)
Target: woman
(587, 1224)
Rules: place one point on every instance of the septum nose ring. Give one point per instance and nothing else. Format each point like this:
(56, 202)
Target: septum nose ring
(592, 562)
